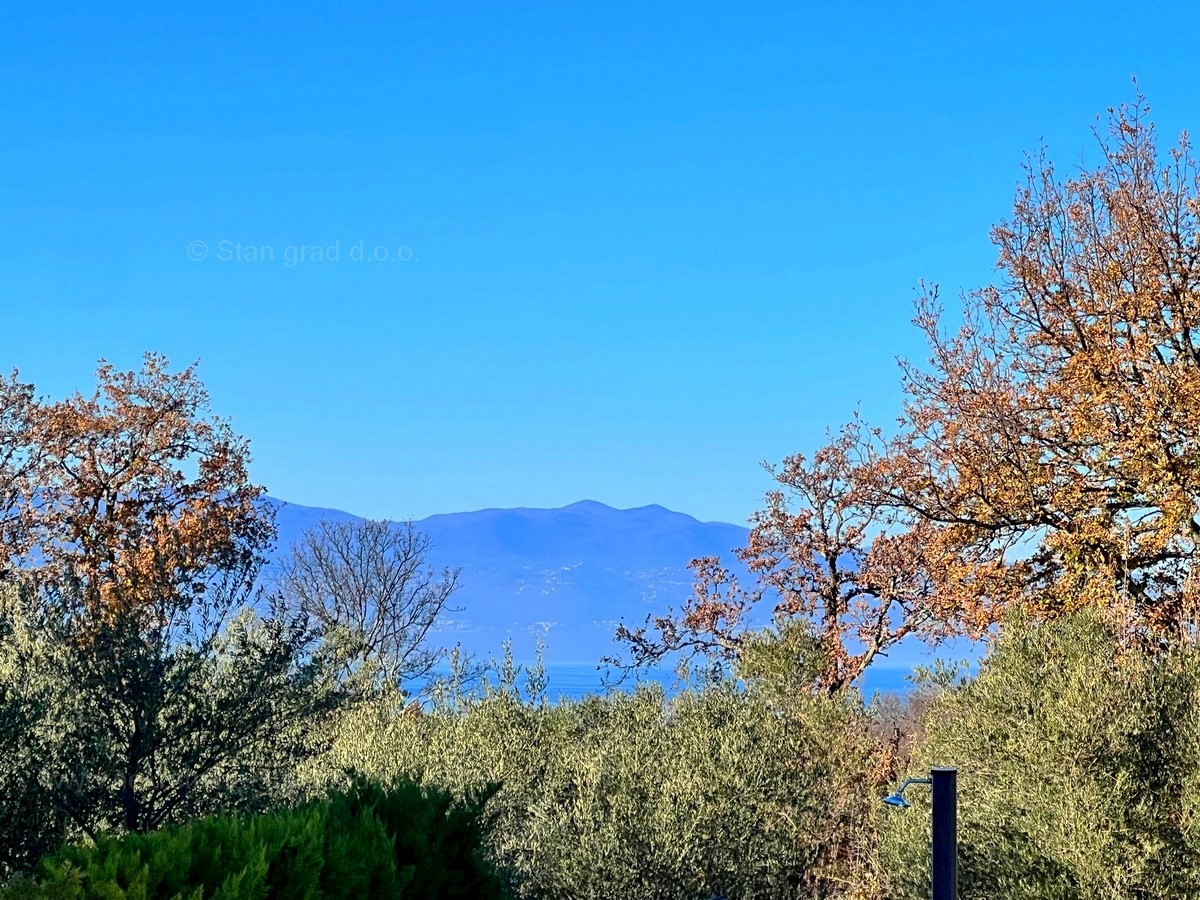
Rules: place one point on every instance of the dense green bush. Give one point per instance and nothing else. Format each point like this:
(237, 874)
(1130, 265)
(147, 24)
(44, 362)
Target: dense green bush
(717, 791)
(1079, 761)
(122, 733)
(30, 825)
(404, 841)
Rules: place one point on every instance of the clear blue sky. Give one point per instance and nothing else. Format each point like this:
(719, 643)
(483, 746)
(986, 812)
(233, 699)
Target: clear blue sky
(643, 246)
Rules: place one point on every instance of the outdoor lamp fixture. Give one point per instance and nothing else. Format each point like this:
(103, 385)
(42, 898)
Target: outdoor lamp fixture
(897, 799)
(945, 827)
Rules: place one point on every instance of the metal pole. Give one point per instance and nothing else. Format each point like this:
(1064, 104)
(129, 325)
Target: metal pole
(945, 833)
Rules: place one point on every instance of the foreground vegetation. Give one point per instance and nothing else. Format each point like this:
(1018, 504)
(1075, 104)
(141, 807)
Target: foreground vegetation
(1079, 776)
(1078, 753)
(714, 791)
(367, 841)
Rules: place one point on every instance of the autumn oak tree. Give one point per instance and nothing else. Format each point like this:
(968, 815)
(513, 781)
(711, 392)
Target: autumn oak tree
(169, 686)
(137, 505)
(1048, 454)
(1056, 434)
(817, 553)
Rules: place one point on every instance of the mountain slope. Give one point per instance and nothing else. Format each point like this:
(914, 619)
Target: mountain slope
(568, 574)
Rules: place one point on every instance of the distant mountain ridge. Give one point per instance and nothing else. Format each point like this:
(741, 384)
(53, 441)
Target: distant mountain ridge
(569, 574)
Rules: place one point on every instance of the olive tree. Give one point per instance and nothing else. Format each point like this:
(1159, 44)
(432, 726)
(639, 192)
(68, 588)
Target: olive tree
(1078, 756)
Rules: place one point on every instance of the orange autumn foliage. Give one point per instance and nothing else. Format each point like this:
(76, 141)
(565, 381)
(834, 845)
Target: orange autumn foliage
(130, 502)
(1048, 454)
(1057, 431)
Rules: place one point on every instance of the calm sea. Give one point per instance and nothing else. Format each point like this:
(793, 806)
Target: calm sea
(573, 681)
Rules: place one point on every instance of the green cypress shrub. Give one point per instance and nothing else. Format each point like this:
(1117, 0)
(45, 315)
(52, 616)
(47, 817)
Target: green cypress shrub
(367, 841)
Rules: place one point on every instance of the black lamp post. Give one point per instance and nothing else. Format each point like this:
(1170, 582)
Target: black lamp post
(945, 828)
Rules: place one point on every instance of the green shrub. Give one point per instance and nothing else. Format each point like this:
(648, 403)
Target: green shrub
(716, 791)
(365, 841)
(205, 726)
(1078, 758)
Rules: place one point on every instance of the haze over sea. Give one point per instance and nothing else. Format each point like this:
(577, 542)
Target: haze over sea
(574, 681)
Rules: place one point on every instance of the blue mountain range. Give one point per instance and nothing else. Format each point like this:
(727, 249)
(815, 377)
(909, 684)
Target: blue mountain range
(568, 575)
(571, 575)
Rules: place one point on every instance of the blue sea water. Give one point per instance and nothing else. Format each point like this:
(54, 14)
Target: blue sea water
(574, 681)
